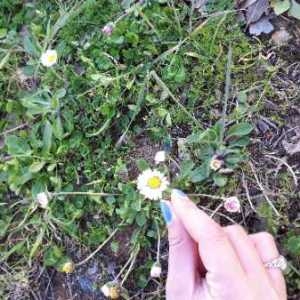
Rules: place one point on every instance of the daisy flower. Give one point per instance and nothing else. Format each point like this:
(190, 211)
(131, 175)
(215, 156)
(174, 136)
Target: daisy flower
(152, 183)
(49, 58)
(232, 204)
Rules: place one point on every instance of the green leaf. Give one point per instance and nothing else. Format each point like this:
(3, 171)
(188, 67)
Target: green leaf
(280, 6)
(17, 146)
(4, 60)
(58, 130)
(239, 130)
(31, 47)
(36, 167)
(233, 159)
(220, 180)
(295, 9)
(3, 33)
(142, 165)
(242, 142)
(52, 256)
(186, 168)
(47, 137)
(37, 243)
(201, 173)
(293, 245)
(60, 93)
(37, 104)
(140, 219)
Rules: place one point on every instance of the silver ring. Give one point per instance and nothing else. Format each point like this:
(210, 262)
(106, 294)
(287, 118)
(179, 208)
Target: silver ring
(277, 263)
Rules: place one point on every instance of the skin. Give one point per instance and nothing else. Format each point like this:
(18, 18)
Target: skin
(210, 262)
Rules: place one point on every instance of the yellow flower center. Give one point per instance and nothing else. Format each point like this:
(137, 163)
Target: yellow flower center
(154, 182)
(51, 58)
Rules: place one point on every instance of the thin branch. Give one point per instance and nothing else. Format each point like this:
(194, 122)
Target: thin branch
(98, 249)
(263, 190)
(227, 91)
(14, 129)
(287, 165)
(172, 96)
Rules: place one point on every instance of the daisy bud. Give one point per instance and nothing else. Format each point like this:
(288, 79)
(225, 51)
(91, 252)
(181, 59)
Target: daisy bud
(232, 204)
(108, 29)
(111, 290)
(49, 58)
(155, 270)
(42, 199)
(68, 267)
(215, 163)
(160, 156)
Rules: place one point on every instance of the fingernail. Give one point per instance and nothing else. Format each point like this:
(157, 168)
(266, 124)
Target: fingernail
(178, 194)
(166, 211)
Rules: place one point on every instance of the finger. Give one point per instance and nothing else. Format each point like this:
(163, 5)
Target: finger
(267, 250)
(183, 266)
(248, 255)
(215, 250)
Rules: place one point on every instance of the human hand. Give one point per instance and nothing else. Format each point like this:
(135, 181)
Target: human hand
(210, 262)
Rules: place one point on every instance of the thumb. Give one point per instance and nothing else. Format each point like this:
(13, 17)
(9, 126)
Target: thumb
(183, 272)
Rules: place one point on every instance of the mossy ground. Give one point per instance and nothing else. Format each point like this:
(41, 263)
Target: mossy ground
(107, 98)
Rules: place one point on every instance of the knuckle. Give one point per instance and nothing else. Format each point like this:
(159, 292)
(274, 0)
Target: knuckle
(235, 228)
(266, 236)
(216, 234)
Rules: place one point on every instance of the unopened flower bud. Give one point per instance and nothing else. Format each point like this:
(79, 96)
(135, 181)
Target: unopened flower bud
(42, 199)
(160, 156)
(232, 204)
(111, 290)
(68, 267)
(155, 270)
(108, 29)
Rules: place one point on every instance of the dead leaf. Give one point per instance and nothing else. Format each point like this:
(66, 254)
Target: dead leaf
(291, 148)
(281, 37)
(261, 26)
(256, 10)
(295, 9)
(280, 6)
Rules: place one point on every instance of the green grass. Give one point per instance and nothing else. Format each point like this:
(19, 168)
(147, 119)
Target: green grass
(83, 117)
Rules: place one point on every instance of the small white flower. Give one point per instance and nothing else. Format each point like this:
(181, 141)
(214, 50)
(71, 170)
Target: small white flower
(42, 199)
(232, 204)
(49, 58)
(215, 163)
(155, 270)
(105, 290)
(152, 183)
(160, 156)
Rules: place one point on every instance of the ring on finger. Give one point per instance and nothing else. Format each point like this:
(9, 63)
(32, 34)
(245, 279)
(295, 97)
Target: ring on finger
(277, 263)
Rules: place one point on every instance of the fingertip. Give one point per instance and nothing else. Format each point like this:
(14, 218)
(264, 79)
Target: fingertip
(167, 211)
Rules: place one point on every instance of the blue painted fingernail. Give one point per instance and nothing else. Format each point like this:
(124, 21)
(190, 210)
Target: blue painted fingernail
(166, 211)
(178, 194)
